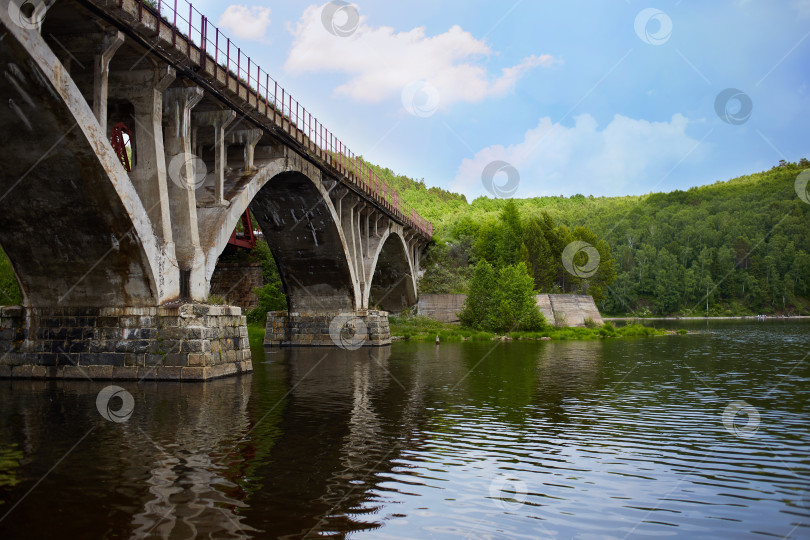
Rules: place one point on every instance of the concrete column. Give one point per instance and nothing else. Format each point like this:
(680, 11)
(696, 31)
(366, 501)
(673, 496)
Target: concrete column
(182, 167)
(358, 255)
(101, 73)
(219, 120)
(250, 138)
(368, 239)
(144, 89)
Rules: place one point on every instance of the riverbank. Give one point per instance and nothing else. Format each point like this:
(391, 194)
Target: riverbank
(425, 329)
(743, 317)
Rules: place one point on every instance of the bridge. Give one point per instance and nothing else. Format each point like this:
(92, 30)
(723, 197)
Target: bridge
(136, 138)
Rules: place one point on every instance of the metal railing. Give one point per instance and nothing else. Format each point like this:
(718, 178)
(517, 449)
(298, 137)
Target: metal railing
(212, 45)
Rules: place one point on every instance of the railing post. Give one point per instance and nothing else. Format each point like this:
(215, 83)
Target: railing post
(216, 55)
(174, 26)
(282, 109)
(188, 40)
(203, 40)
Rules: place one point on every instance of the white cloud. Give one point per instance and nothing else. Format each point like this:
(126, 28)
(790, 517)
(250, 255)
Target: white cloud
(803, 7)
(381, 62)
(627, 156)
(245, 22)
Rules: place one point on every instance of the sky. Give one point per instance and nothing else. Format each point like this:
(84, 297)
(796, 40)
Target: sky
(530, 98)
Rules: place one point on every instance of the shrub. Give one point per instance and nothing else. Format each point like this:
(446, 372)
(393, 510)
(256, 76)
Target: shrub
(502, 301)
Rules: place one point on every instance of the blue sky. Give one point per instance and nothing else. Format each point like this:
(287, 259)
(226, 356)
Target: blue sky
(597, 97)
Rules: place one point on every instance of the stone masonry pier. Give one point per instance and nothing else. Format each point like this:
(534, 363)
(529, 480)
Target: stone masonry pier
(188, 342)
(347, 331)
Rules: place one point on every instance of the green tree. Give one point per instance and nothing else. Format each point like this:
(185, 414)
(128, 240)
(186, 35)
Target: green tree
(539, 256)
(516, 302)
(10, 294)
(271, 295)
(479, 309)
(501, 301)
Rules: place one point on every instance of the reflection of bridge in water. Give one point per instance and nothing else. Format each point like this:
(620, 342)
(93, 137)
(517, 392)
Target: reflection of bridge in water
(314, 442)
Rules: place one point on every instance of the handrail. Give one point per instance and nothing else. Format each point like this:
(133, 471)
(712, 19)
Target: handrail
(209, 41)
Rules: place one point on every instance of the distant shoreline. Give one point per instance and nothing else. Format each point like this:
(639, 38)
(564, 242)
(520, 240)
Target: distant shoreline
(751, 317)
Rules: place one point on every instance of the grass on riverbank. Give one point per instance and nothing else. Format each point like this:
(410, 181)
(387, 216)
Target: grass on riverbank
(425, 329)
(417, 328)
(256, 335)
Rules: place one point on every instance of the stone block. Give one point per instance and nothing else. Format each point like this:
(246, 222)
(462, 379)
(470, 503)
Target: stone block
(126, 373)
(112, 333)
(102, 359)
(170, 373)
(176, 359)
(79, 346)
(47, 359)
(153, 359)
(107, 322)
(194, 373)
(71, 372)
(102, 372)
(199, 359)
(130, 321)
(133, 359)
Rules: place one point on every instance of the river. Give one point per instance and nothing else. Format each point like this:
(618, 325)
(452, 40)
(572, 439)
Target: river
(699, 436)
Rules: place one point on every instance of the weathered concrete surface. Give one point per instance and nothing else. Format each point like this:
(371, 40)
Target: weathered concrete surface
(236, 282)
(558, 309)
(441, 307)
(572, 309)
(190, 342)
(71, 220)
(348, 330)
(304, 234)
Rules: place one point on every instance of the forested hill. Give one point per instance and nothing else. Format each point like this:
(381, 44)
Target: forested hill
(746, 241)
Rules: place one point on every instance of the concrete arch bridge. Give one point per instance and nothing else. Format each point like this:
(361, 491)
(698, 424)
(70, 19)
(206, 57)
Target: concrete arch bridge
(135, 138)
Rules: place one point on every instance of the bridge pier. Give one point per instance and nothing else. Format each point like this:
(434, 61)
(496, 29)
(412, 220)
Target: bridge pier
(192, 342)
(349, 330)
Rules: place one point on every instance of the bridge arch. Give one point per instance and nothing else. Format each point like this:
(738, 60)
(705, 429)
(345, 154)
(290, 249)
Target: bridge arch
(299, 220)
(393, 278)
(71, 221)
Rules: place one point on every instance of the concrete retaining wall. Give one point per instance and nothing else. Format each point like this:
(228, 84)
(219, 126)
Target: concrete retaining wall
(558, 309)
(441, 307)
(570, 309)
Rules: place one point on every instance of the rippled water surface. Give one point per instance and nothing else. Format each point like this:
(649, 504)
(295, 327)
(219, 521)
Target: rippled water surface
(681, 436)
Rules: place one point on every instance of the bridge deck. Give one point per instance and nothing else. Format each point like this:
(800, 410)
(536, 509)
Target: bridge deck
(187, 39)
